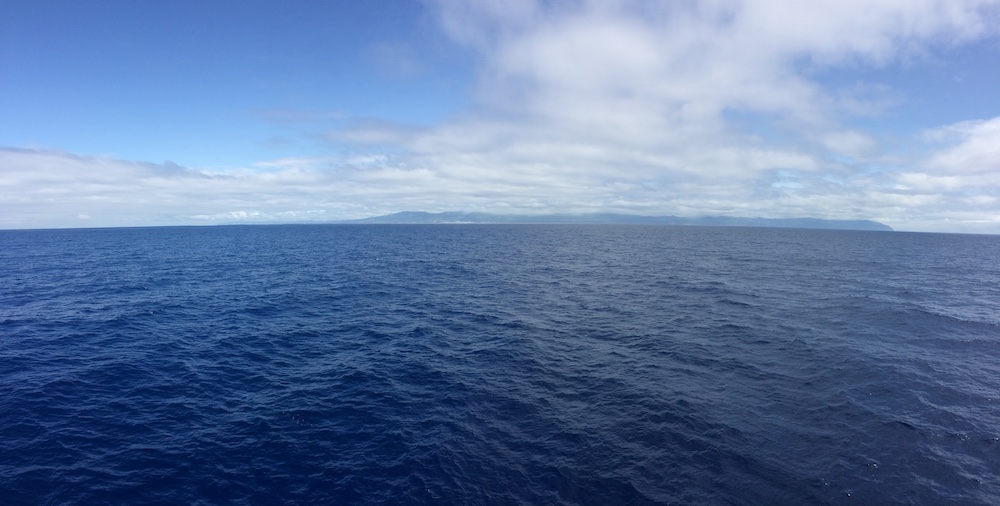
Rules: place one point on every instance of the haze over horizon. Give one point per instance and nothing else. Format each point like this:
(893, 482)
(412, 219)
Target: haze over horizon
(116, 113)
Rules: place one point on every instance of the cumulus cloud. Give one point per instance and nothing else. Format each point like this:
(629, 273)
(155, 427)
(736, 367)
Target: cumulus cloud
(687, 107)
(960, 180)
(694, 59)
(44, 188)
(690, 108)
(976, 148)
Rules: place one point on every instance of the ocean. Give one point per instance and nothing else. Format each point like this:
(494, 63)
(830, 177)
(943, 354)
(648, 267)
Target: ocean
(494, 364)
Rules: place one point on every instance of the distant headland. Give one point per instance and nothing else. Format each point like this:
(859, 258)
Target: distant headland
(413, 217)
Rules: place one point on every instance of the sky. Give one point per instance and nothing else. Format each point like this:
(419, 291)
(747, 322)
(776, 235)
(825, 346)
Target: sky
(125, 113)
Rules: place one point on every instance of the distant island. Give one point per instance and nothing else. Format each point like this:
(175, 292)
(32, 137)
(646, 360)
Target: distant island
(415, 218)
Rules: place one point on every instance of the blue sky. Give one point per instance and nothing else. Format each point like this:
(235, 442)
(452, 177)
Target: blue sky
(121, 113)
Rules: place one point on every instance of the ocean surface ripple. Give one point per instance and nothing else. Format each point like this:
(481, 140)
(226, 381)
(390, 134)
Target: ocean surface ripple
(528, 364)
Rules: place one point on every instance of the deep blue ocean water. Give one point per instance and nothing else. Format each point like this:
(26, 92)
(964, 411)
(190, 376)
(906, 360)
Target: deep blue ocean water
(529, 364)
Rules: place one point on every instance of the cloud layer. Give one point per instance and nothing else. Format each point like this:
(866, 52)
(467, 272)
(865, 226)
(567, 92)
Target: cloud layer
(713, 107)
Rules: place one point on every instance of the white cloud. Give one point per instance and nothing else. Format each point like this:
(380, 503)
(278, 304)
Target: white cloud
(847, 143)
(959, 183)
(977, 150)
(40, 188)
(687, 107)
(633, 100)
(629, 105)
(694, 58)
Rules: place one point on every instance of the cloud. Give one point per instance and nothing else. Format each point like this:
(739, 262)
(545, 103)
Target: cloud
(694, 58)
(977, 150)
(44, 188)
(696, 107)
(684, 107)
(960, 182)
(373, 132)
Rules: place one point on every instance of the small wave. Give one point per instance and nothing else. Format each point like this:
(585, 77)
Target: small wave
(579, 366)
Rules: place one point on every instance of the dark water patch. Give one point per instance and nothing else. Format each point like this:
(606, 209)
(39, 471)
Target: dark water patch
(498, 365)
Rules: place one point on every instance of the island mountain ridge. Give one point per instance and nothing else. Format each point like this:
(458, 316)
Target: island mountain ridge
(457, 217)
